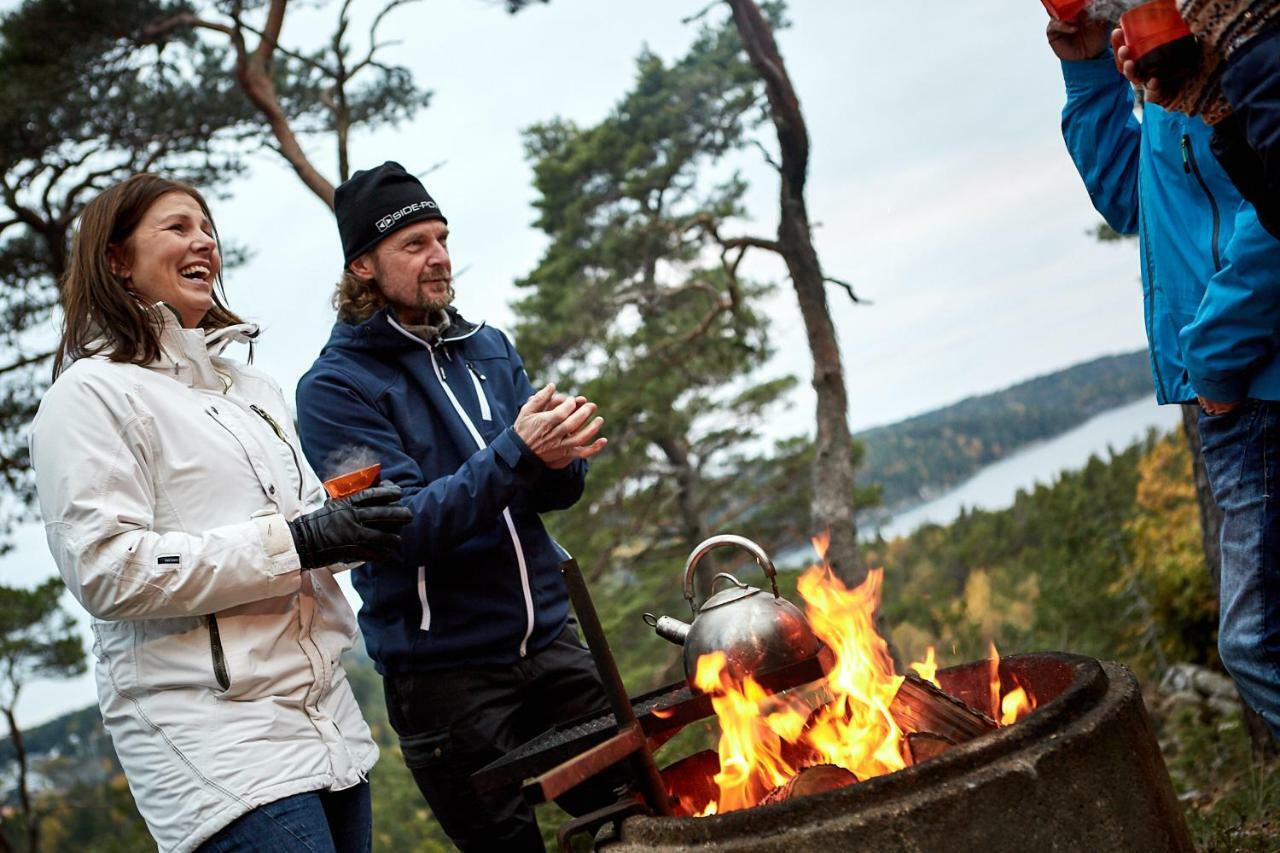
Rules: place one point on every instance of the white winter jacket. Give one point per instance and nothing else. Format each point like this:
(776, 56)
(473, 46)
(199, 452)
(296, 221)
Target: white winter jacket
(164, 501)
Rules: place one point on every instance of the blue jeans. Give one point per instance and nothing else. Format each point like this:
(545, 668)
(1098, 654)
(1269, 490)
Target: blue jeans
(1242, 458)
(314, 822)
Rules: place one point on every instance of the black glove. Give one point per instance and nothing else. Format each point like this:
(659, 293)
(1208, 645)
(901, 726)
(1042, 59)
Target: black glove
(362, 527)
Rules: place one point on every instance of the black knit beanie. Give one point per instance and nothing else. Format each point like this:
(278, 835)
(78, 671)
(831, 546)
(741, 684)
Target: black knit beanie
(374, 203)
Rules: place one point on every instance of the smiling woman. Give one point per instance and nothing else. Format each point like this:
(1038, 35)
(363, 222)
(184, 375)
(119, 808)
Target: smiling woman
(182, 515)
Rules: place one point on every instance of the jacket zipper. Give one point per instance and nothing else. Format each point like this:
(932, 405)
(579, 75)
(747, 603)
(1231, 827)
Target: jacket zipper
(275, 427)
(506, 511)
(485, 412)
(1149, 300)
(269, 488)
(219, 659)
(1189, 166)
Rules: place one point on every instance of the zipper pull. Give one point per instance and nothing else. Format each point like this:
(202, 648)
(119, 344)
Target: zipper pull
(1186, 153)
(275, 427)
(435, 362)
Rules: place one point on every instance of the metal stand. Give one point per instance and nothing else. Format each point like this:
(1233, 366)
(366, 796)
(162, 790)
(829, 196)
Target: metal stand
(630, 742)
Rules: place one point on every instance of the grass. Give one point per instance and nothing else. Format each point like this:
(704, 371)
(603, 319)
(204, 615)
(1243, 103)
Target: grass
(1232, 800)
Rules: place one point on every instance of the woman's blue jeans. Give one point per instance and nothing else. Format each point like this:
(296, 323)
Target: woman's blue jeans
(314, 822)
(1242, 459)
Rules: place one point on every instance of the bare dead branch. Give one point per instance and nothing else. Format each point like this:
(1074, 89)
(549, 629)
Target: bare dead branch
(849, 288)
(701, 13)
(767, 155)
(158, 30)
(292, 54)
(58, 172)
(374, 44)
(25, 362)
(70, 200)
(747, 241)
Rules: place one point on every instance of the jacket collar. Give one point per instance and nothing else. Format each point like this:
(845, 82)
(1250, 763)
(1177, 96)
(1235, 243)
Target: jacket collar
(383, 332)
(188, 354)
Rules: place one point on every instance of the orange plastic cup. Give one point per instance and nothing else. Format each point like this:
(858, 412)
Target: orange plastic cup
(346, 485)
(1064, 10)
(1152, 25)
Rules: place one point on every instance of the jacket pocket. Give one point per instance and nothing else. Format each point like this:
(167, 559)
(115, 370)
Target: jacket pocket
(176, 653)
(427, 751)
(219, 658)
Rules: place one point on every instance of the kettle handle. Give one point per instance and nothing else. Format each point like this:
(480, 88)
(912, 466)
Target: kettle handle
(721, 541)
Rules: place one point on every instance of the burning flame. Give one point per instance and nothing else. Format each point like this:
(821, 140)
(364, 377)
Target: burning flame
(927, 668)
(766, 739)
(1015, 704)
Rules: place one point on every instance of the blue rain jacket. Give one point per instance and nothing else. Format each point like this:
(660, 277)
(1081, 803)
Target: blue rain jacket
(1210, 271)
(477, 582)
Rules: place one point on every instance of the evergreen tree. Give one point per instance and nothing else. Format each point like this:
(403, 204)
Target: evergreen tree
(38, 639)
(638, 303)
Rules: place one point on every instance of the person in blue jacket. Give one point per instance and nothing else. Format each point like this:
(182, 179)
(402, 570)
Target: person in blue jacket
(1211, 288)
(468, 625)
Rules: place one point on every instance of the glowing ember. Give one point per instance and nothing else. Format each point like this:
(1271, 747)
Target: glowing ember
(766, 739)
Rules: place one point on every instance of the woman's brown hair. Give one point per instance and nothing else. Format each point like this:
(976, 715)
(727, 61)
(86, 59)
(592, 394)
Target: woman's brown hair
(99, 315)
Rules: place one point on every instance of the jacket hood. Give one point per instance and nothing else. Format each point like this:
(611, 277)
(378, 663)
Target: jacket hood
(382, 332)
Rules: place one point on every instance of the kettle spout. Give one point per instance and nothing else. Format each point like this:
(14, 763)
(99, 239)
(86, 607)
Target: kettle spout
(668, 628)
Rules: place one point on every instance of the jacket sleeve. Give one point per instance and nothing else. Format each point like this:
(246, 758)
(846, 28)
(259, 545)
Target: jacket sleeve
(1252, 85)
(1104, 138)
(94, 477)
(554, 490)
(1236, 326)
(336, 418)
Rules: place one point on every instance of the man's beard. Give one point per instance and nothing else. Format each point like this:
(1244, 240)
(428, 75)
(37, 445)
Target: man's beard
(432, 302)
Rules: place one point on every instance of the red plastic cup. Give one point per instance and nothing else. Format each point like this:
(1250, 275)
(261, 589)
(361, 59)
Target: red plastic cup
(1065, 10)
(348, 484)
(1152, 25)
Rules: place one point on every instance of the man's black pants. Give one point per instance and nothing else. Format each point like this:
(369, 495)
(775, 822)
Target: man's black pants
(452, 723)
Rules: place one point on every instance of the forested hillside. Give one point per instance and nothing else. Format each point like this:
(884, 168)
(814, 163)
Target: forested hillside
(923, 456)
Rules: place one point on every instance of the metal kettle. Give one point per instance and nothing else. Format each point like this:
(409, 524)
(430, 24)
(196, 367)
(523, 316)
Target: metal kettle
(756, 631)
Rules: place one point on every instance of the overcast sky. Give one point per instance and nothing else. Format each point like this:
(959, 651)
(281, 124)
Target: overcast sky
(938, 180)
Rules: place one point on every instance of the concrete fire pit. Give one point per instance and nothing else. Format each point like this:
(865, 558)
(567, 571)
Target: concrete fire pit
(1082, 773)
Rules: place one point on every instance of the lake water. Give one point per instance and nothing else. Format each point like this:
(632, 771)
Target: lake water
(993, 487)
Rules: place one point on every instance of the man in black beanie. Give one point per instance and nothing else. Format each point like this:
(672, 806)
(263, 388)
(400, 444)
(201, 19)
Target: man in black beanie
(468, 625)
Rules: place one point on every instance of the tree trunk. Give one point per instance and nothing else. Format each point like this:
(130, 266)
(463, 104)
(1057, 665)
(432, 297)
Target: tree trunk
(1261, 741)
(832, 508)
(24, 795)
(691, 526)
